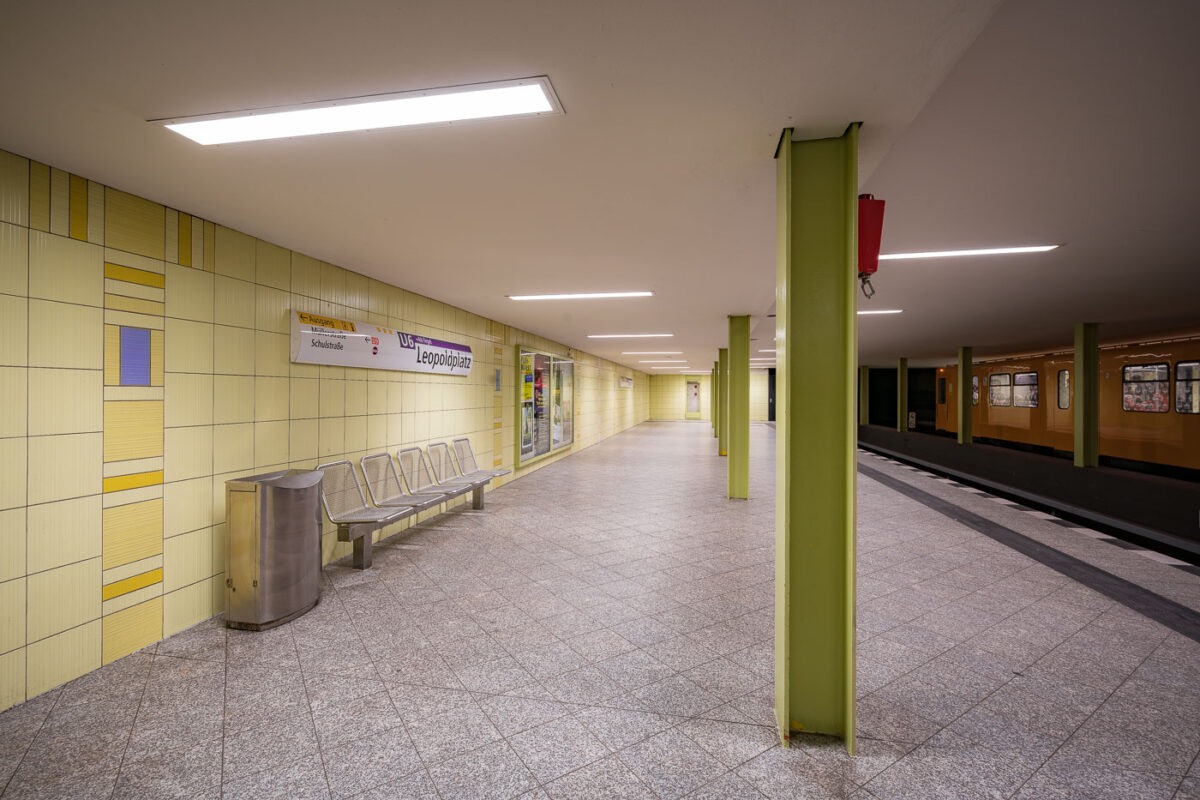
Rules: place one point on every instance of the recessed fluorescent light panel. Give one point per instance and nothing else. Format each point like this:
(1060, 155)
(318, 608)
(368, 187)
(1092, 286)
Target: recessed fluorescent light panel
(584, 296)
(652, 353)
(986, 251)
(884, 311)
(629, 335)
(527, 96)
(675, 367)
(663, 361)
(766, 351)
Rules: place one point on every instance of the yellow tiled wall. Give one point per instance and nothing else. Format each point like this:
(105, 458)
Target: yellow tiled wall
(668, 396)
(144, 359)
(758, 395)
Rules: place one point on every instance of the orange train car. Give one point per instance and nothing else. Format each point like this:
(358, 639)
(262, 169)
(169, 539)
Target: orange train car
(1149, 401)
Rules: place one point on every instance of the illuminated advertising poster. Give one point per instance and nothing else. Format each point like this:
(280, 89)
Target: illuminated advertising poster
(347, 343)
(541, 412)
(545, 401)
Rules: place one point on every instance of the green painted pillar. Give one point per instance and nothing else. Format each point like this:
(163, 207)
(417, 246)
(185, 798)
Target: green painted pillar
(815, 301)
(902, 395)
(965, 389)
(723, 401)
(738, 484)
(1087, 394)
(864, 399)
(712, 399)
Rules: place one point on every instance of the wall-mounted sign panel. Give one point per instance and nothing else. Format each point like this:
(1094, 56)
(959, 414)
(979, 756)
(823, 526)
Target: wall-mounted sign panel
(348, 343)
(625, 383)
(545, 404)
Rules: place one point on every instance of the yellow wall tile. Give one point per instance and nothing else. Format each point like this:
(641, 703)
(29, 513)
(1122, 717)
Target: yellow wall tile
(66, 335)
(12, 678)
(306, 275)
(190, 293)
(233, 447)
(39, 196)
(357, 294)
(187, 559)
(189, 345)
(79, 208)
(63, 532)
(233, 302)
(14, 330)
(188, 505)
(333, 398)
(12, 544)
(132, 532)
(134, 305)
(132, 629)
(305, 398)
(333, 284)
(14, 259)
(356, 434)
(65, 270)
(184, 235)
(270, 443)
(271, 398)
(271, 354)
(273, 265)
(331, 439)
(377, 438)
(133, 224)
(189, 399)
(62, 598)
(272, 310)
(233, 399)
(65, 401)
(171, 244)
(235, 254)
(133, 429)
(184, 608)
(157, 358)
(60, 200)
(14, 190)
(356, 398)
(210, 245)
(233, 350)
(188, 452)
(12, 615)
(62, 467)
(95, 214)
(12, 472)
(13, 401)
(133, 583)
(377, 397)
(302, 439)
(54, 661)
(132, 487)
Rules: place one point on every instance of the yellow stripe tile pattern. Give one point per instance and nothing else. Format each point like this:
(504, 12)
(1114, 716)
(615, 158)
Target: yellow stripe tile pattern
(145, 558)
(132, 584)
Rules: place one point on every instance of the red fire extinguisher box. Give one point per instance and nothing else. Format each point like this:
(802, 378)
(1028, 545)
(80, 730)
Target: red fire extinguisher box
(870, 233)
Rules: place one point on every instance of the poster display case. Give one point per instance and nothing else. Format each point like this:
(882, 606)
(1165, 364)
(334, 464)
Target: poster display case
(545, 404)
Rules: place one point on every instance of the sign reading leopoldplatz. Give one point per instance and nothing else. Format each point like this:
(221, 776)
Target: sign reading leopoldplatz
(345, 343)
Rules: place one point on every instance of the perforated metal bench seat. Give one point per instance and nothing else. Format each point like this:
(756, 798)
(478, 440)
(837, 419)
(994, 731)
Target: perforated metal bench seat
(466, 461)
(419, 477)
(383, 484)
(444, 471)
(346, 507)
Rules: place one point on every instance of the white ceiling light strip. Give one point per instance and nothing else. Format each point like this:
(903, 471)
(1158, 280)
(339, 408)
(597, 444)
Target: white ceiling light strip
(629, 335)
(581, 296)
(985, 251)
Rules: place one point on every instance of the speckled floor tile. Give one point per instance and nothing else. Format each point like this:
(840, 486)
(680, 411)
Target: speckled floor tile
(671, 764)
(493, 772)
(557, 747)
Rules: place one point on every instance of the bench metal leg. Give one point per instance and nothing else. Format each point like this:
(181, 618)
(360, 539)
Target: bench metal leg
(477, 497)
(362, 552)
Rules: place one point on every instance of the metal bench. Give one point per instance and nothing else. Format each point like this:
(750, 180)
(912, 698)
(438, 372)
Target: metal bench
(417, 474)
(466, 461)
(444, 471)
(383, 484)
(343, 499)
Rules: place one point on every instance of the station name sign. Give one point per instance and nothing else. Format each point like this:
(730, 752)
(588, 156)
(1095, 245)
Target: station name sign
(346, 343)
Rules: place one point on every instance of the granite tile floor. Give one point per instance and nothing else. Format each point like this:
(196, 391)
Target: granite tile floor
(604, 630)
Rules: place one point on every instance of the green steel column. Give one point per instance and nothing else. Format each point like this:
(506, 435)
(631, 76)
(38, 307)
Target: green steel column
(723, 401)
(864, 400)
(902, 395)
(1087, 394)
(738, 484)
(815, 300)
(964, 395)
(712, 399)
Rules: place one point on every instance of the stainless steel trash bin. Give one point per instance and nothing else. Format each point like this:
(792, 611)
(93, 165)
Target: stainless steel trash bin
(272, 547)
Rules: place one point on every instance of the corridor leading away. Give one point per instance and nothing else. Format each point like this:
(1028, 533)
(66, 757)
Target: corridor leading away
(604, 630)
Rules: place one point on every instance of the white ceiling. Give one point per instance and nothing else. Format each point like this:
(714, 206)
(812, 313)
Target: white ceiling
(1061, 122)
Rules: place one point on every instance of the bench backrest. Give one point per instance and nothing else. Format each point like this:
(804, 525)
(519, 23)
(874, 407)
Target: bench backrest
(466, 456)
(415, 471)
(341, 493)
(382, 481)
(441, 461)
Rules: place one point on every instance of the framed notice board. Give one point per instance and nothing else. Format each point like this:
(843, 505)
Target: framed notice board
(545, 404)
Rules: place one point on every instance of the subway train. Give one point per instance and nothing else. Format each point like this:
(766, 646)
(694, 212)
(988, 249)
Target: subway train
(1149, 402)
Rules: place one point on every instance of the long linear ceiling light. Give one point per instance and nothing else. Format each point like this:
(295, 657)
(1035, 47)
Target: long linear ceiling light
(426, 107)
(629, 335)
(580, 296)
(882, 311)
(985, 251)
(652, 353)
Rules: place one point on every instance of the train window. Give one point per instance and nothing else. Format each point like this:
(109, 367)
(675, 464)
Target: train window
(1025, 390)
(974, 390)
(941, 391)
(1146, 387)
(1000, 389)
(1064, 388)
(1187, 387)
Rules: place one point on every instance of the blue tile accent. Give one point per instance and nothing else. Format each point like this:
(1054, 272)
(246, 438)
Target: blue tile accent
(135, 356)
